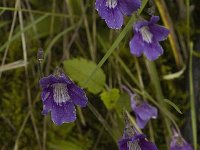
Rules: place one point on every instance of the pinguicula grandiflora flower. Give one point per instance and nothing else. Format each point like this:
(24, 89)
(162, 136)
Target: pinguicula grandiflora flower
(112, 11)
(143, 111)
(179, 143)
(147, 35)
(59, 96)
(133, 140)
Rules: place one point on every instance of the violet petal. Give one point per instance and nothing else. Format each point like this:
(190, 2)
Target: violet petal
(127, 7)
(160, 33)
(152, 50)
(112, 16)
(144, 112)
(46, 81)
(77, 95)
(63, 114)
(154, 20)
(136, 45)
(47, 105)
(146, 145)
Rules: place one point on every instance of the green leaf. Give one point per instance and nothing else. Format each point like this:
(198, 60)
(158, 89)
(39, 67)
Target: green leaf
(123, 103)
(80, 69)
(110, 98)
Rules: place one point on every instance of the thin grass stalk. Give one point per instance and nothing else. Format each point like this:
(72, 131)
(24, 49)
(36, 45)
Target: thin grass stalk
(142, 89)
(10, 35)
(172, 36)
(17, 35)
(192, 97)
(37, 12)
(27, 78)
(89, 38)
(192, 101)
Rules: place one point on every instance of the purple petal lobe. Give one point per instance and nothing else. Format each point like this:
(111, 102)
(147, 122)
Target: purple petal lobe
(77, 95)
(160, 33)
(140, 122)
(45, 93)
(46, 81)
(47, 105)
(112, 16)
(144, 112)
(127, 7)
(152, 50)
(63, 114)
(146, 145)
(154, 19)
(136, 45)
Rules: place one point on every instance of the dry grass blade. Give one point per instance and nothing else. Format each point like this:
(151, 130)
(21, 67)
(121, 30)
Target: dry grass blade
(13, 65)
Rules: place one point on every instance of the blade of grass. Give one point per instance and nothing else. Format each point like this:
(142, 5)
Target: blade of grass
(37, 12)
(17, 35)
(56, 38)
(13, 65)
(173, 105)
(158, 90)
(24, 48)
(10, 35)
(192, 97)
(192, 101)
(172, 36)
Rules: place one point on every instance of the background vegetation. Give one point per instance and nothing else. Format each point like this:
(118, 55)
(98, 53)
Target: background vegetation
(74, 37)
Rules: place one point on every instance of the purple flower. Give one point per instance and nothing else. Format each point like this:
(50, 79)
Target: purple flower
(143, 111)
(112, 11)
(134, 141)
(59, 94)
(179, 143)
(147, 35)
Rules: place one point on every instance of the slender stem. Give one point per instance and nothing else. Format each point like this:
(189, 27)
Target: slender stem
(37, 12)
(158, 91)
(144, 98)
(172, 36)
(192, 102)
(192, 97)
(24, 47)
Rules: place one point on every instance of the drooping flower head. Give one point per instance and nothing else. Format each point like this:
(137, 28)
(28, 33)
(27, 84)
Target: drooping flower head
(59, 95)
(143, 111)
(133, 140)
(147, 35)
(112, 11)
(179, 143)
